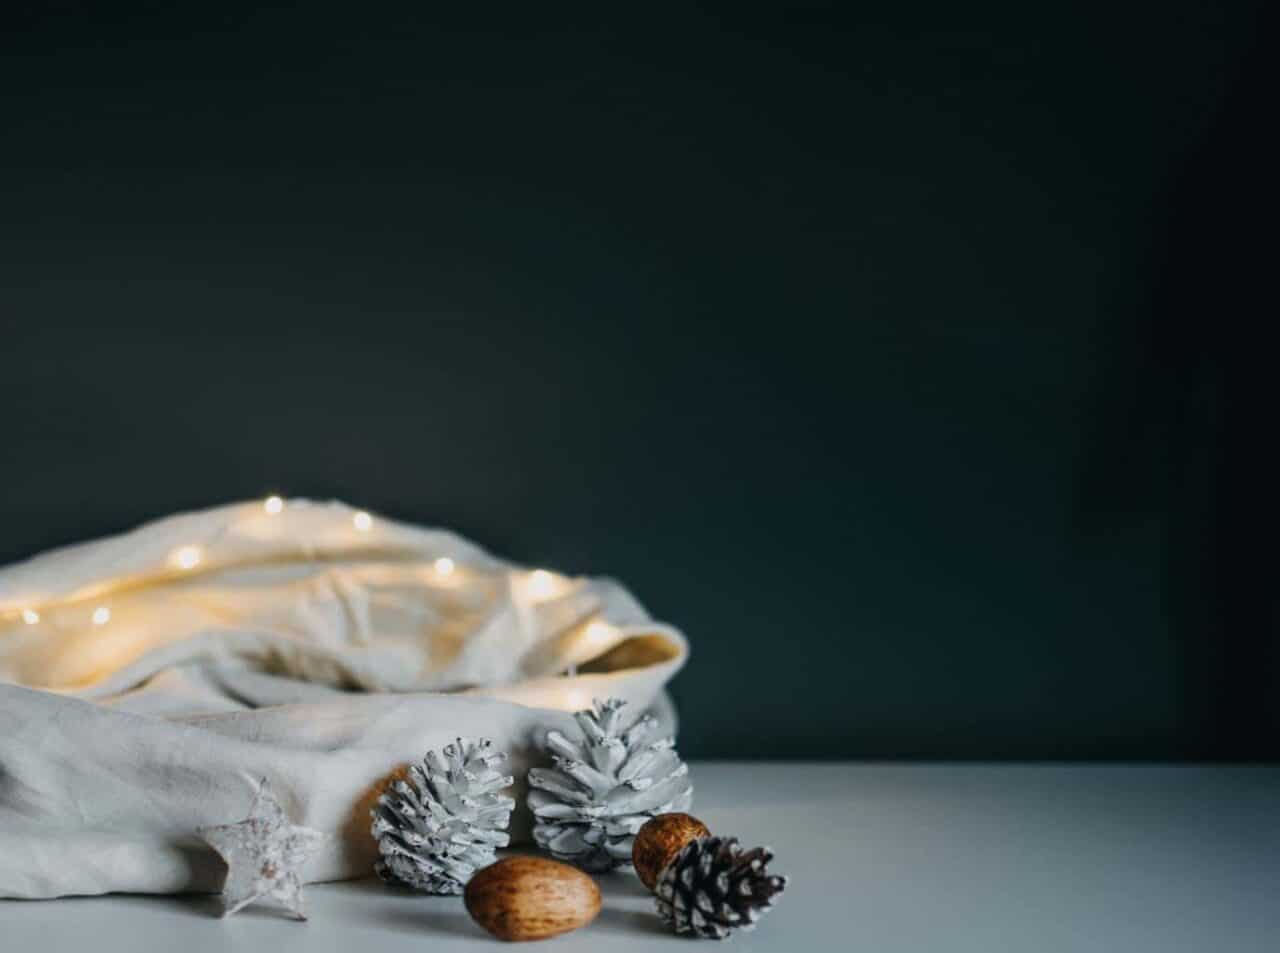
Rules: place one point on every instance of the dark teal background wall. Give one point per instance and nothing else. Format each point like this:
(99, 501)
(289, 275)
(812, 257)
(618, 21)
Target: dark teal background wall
(913, 361)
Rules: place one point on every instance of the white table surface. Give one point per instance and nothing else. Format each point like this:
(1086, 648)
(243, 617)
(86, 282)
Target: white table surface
(1034, 858)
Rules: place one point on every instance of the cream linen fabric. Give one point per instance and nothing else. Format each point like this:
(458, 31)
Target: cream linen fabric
(148, 680)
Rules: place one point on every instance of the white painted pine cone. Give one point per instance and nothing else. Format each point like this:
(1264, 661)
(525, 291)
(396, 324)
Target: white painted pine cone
(442, 824)
(604, 786)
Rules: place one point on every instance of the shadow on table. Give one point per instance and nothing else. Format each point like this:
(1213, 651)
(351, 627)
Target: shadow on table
(630, 922)
(449, 922)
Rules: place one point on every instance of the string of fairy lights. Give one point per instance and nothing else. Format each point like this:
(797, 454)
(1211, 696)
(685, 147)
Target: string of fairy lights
(540, 584)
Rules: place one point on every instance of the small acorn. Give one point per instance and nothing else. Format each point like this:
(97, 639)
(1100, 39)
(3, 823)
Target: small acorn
(531, 898)
(659, 840)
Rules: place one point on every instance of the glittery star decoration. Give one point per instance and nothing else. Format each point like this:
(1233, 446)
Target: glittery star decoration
(264, 853)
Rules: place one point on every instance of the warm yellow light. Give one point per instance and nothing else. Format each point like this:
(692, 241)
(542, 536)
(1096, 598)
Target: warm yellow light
(363, 521)
(186, 557)
(541, 584)
(101, 615)
(30, 616)
(444, 566)
(598, 632)
(273, 505)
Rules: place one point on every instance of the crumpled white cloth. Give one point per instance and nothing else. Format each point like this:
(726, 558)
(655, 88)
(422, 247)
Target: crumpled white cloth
(148, 681)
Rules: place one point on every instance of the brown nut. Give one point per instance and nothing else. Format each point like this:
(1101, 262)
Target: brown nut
(531, 898)
(660, 840)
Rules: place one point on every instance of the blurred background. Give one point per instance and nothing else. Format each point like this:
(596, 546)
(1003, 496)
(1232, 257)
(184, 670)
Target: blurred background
(915, 362)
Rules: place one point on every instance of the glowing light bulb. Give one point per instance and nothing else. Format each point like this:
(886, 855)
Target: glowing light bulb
(186, 557)
(598, 632)
(541, 584)
(273, 505)
(101, 615)
(444, 566)
(30, 616)
(362, 521)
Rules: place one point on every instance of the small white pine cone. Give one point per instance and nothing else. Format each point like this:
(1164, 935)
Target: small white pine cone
(604, 786)
(442, 824)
